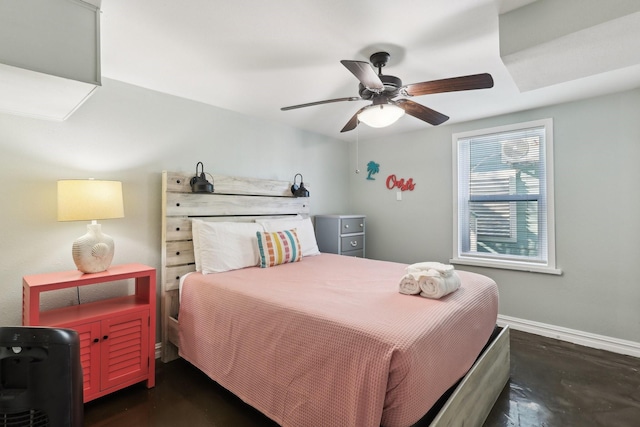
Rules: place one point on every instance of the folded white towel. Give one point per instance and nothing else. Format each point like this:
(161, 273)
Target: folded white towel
(409, 285)
(435, 286)
(444, 270)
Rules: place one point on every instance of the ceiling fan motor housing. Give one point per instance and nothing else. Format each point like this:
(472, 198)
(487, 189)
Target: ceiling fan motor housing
(392, 84)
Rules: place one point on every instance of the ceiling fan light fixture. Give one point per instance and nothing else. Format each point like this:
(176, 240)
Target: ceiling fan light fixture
(381, 115)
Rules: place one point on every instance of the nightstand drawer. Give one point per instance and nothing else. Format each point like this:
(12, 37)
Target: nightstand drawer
(351, 243)
(358, 254)
(351, 225)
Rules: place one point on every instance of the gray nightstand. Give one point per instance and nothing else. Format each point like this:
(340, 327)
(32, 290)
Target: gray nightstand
(341, 234)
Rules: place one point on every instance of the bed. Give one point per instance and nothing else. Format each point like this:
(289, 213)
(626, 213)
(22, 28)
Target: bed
(253, 331)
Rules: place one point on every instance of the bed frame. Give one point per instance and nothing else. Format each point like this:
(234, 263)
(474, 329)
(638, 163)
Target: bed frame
(244, 199)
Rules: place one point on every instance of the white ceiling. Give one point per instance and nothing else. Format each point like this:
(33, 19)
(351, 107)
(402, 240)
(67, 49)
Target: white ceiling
(254, 56)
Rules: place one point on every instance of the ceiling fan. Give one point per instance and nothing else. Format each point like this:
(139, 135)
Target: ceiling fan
(383, 90)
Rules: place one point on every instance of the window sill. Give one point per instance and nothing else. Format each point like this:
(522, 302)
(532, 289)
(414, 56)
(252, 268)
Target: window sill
(506, 265)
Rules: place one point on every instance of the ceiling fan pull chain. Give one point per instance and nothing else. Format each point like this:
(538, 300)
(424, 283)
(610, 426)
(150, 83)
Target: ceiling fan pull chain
(357, 158)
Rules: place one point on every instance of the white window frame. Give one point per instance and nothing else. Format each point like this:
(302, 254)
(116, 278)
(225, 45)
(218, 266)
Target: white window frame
(547, 185)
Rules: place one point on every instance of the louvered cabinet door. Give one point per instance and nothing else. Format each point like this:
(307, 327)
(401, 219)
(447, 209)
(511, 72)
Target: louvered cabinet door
(89, 334)
(124, 350)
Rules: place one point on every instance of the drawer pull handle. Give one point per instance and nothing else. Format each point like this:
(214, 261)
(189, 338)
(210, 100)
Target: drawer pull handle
(361, 225)
(105, 337)
(354, 243)
(96, 340)
(346, 226)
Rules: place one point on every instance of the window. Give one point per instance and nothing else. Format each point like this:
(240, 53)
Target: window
(503, 197)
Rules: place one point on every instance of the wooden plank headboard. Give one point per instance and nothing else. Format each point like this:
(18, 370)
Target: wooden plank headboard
(234, 199)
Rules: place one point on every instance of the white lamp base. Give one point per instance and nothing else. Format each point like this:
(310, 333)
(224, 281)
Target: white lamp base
(93, 252)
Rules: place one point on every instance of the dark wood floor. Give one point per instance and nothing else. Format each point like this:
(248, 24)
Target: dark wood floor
(552, 383)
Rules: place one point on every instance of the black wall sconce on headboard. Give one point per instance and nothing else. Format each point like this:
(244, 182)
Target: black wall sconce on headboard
(299, 190)
(199, 184)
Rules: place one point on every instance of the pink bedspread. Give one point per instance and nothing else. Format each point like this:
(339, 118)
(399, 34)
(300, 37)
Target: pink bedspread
(329, 341)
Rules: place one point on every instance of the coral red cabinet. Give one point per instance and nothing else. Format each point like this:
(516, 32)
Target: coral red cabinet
(117, 335)
(113, 352)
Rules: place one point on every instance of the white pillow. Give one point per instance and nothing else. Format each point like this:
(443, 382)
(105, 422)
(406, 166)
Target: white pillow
(227, 246)
(304, 229)
(195, 236)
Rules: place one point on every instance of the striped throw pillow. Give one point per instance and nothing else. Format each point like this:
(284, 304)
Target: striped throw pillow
(278, 247)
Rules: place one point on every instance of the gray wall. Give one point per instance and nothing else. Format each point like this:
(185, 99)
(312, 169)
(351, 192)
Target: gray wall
(131, 134)
(597, 173)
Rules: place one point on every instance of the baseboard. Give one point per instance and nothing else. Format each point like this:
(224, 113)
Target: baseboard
(586, 339)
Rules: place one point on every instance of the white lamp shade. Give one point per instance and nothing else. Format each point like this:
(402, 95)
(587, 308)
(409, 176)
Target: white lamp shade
(88, 199)
(381, 115)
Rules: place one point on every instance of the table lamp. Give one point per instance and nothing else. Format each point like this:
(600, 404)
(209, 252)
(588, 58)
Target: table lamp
(91, 200)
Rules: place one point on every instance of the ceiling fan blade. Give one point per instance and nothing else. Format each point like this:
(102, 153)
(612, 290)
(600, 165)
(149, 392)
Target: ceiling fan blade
(353, 122)
(421, 112)
(363, 72)
(474, 81)
(309, 104)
